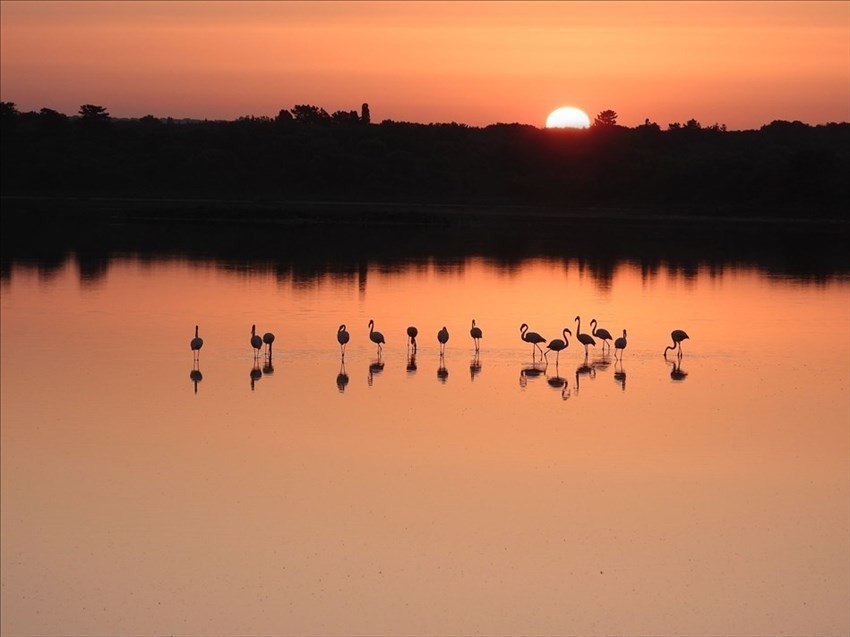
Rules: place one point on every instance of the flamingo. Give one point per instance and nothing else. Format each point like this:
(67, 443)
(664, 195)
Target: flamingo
(268, 339)
(531, 337)
(443, 337)
(556, 345)
(678, 336)
(256, 341)
(620, 344)
(376, 337)
(601, 333)
(412, 333)
(196, 344)
(342, 337)
(475, 333)
(584, 339)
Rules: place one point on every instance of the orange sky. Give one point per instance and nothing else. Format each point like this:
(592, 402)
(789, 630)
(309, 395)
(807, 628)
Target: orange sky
(743, 64)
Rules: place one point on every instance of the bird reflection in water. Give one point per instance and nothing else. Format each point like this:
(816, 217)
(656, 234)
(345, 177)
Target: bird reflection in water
(584, 370)
(256, 373)
(676, 371)
(559, 383)
(196, 377)
(601, 363)
(341, 377)
(375, 367)
(536, 369)
(411, 360)
(475, 365)
(442, 372)
(268, 368)
(620, 374)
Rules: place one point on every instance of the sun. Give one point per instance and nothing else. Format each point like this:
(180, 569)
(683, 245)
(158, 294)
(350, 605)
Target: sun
(568, 117)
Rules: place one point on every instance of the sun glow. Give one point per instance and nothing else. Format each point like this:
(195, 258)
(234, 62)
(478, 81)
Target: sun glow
(568, 117)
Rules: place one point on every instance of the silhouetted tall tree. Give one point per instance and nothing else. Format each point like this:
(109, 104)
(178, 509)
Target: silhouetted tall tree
(606, 118)
(365, 117)
(310, 114)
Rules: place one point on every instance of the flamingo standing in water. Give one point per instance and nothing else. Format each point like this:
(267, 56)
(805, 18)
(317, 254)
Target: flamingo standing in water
(602, 334)
(256, 341)
(476, 334)
(556, 345)
(412, 333)
(584, 339)
(376, 337)
(443, 337)
(678, 336)
(342, 337)
(268, 339)
(531, 337)
(620, 344)
(196, 344)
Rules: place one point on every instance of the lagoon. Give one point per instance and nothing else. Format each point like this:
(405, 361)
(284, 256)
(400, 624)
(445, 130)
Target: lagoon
(473, 493)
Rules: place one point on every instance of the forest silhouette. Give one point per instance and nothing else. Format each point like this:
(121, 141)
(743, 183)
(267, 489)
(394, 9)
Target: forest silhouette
(312, 191)
(304, 154)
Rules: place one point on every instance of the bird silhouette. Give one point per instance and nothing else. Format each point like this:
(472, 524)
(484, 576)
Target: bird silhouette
(584, 339)
(342, 337)
(196, 344)
(412, 333)
(678, 336)
(620, 344)
(475, 333)
(268, 339)
(531, 337)
(443, 337)
(601, 333)
(256, 341)
(376, 337)
(556, 345)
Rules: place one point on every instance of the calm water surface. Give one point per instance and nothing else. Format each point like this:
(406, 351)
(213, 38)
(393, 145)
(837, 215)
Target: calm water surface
(469, 494)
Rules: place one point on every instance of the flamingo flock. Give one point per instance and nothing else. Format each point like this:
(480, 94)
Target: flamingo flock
(536, 339)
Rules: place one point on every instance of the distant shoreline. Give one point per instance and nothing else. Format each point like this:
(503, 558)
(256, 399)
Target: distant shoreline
(305, 212)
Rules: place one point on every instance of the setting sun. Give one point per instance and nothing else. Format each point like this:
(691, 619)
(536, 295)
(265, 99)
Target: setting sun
(568, 117)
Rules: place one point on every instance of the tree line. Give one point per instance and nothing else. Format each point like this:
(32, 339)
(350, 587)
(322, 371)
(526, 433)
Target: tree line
(307, 154)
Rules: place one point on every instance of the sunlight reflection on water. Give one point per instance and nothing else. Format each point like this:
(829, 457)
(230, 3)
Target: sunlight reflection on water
(474, 492)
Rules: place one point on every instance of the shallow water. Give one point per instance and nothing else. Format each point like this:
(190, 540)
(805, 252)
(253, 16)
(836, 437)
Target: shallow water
(483, 493)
